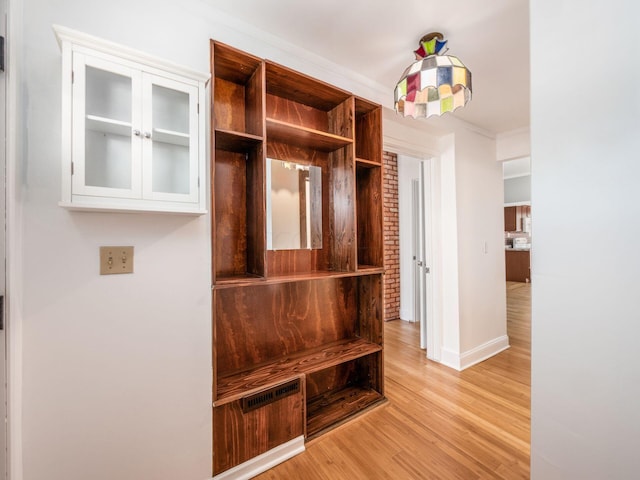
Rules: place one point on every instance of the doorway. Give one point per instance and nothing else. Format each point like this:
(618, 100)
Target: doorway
(416, 257)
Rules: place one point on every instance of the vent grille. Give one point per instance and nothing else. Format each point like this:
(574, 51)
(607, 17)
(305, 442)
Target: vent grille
(271, 395)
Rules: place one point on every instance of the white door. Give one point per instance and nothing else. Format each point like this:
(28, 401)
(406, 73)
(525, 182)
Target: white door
(421, 251)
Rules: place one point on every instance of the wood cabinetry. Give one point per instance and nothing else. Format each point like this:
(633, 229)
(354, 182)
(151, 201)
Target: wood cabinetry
(518, 265)
(312, 316)
(510, 223)
(515, 218)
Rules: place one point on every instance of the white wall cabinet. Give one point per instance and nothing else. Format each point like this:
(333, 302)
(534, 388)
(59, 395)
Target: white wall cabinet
(133, 130)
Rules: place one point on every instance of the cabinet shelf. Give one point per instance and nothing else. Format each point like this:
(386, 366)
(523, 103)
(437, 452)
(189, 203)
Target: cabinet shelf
(171, 137)
(336, 406)
(238, 142)
(248, 280)
(234, 386)
(304, 137)
(108, 125)
(367, 163)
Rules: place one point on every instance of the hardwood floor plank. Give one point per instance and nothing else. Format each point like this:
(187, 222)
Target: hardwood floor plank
(438, 423)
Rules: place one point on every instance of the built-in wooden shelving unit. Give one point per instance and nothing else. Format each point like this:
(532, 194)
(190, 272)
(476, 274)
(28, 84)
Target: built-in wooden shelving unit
(305, 322)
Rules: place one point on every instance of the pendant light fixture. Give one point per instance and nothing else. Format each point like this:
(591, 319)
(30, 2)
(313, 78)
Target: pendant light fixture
(435, 83)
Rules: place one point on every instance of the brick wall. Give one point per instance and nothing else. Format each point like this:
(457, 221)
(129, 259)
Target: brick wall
(391, 240)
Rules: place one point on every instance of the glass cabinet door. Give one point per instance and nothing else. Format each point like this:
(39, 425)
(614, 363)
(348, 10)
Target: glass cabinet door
(106, 135)
(170, 148)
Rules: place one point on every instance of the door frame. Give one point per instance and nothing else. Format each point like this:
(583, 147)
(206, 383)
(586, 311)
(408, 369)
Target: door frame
(13, 237)
(431, 322)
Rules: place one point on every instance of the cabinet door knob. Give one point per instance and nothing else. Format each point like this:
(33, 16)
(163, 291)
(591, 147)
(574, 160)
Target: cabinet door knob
(147, 135)
(136, 133)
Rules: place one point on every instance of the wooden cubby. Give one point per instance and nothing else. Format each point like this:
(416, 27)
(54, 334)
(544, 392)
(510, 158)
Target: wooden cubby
(310, 314)
(238, 171)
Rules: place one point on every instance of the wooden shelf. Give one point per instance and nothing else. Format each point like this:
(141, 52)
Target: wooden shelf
(334, 407)
(238, 142)
(236, 280)
(235, 386)
(298, 87)
(249, 280)
(304, 137)
(367, 163)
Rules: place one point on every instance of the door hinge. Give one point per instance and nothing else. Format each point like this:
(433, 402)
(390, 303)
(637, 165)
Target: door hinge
(1, 54)
(71, 168)
(198, 108)
(73, 76)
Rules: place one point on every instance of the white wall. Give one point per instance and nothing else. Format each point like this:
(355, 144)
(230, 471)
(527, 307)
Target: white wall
(585, 321)
(408, 170)
(517, 189)
(117, 369)
(479, 189)
(513, 144)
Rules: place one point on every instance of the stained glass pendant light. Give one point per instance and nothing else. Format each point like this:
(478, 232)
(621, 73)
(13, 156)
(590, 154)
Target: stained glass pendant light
(435, 83)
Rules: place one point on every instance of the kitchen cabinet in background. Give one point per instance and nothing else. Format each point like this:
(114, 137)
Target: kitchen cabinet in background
(518, 265)
(514, 218)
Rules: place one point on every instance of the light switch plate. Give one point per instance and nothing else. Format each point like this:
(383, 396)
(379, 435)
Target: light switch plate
(116, 260)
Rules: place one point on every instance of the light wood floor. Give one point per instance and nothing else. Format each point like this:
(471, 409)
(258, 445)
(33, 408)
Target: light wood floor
(438, 423)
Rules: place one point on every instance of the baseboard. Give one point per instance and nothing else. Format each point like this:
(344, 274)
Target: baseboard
(475, 355)
(264, 462)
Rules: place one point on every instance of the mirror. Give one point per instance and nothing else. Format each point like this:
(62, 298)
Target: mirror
(294, 206)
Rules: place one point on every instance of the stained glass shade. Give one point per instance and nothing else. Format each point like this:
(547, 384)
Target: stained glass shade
(434, 84)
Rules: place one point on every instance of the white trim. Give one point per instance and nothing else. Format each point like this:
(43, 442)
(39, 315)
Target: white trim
(264, 462)
(64, 35)
(406, 315)
(14, 251)
(475, 355)
(508, 177)
(484, 351)
(450, 358)
(518, 204)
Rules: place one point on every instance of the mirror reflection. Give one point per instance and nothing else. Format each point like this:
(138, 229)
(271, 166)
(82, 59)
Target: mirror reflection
(294, 206)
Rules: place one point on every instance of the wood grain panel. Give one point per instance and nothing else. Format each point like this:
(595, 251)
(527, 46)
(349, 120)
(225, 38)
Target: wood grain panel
(370, 308)
(233, 386)
(255, 219)
(230, 242)
(518, 265)
(255, 103)
(237, 437)
(338, 405)
(228, 105)
(286, 83)
(295, 113)
(341, 119)
(342, 211)
(369, 215)
(368, 135)
(264, 323)
(302, 136)
(232, 64)
(335, 394)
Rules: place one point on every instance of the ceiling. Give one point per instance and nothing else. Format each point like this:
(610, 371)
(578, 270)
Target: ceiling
(376, 38)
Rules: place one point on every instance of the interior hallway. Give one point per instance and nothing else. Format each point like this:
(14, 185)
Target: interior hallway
(438, 423)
